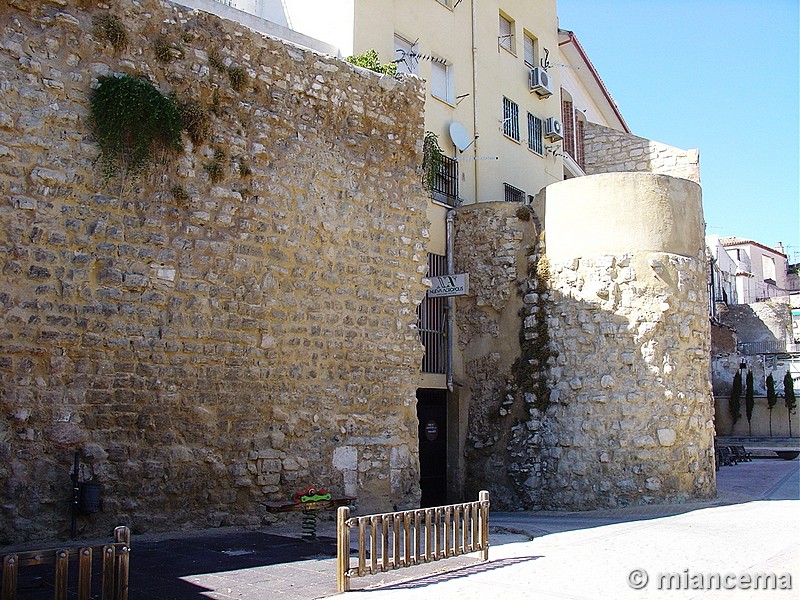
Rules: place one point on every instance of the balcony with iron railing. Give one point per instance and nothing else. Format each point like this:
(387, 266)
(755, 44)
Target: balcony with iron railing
(444, 187)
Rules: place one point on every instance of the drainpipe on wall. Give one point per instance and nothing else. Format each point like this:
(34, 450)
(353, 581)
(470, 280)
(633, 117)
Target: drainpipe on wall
(451, 301)
(475, 96)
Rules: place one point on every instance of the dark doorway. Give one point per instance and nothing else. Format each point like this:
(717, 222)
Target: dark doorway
(432, 415)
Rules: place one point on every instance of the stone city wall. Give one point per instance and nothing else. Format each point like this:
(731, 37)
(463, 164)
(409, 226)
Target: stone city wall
(488, 326)
(587, 367)
(236, 324)
(609, 151)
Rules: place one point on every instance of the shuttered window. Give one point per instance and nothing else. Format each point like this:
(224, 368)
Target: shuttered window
(506, 36)
(530, 51)
(579, 155)
(442, 81)
(404, 55)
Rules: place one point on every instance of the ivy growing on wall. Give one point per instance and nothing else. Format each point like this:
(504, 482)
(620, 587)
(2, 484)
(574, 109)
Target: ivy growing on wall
(130, 120)
(531, 367)
(431, 160)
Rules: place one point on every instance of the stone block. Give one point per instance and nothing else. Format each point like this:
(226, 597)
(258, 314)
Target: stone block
(345, 458)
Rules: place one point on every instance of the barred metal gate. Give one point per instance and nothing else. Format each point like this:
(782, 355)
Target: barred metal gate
(433, 322)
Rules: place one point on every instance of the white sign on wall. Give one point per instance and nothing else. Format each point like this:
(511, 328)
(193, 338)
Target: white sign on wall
(449, 285)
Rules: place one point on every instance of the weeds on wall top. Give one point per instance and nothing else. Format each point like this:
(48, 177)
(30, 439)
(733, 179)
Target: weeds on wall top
(131, 120)
(110, 28)
(197, 121)
(165, 50)
(369, 60)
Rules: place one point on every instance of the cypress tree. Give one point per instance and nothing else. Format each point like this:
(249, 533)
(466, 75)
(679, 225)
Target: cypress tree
(749, 401)
(772, 399)
(789, 397)
(736, 398)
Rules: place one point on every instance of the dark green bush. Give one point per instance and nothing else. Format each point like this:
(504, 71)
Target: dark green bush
(131, 119)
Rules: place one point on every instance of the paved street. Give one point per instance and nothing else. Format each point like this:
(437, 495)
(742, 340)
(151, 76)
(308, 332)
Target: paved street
(753, 526)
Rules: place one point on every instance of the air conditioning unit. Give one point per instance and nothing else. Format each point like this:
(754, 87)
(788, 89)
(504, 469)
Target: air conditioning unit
(553, 129)
(540, 82)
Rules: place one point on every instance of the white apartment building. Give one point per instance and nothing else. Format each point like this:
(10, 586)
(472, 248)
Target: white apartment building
(761, 270)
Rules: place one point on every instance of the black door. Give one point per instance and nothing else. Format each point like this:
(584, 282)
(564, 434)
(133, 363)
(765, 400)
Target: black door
(432, 415)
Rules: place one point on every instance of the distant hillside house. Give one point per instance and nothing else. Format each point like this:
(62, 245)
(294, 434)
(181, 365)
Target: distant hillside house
(761, 270)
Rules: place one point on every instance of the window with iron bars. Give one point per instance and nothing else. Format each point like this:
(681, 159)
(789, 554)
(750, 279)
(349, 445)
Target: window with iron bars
(511, 119)
(445, 184)
(432, 322)
(513, 194)
(535, 140)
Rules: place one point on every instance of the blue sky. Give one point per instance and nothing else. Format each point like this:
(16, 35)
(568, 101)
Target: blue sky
(718, 75)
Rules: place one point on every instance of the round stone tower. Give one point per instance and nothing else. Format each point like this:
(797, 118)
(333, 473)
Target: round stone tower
(630, 419)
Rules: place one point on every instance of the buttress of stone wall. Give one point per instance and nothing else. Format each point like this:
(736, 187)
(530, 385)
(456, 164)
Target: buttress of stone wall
(234, 325)
(632, 414)
(608, 151)
(495, 242)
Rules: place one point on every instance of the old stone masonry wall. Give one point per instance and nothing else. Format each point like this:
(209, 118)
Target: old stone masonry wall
(630, 423)
(235, 324)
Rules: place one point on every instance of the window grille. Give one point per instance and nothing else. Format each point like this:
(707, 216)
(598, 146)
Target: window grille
(579, 155)
(567, 118)
(432, 322)
(511, 119)
(445, 184)
(513, 194)
(535, 140)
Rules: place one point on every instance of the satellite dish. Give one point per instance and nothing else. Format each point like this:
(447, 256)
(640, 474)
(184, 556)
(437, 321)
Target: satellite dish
(459, 136)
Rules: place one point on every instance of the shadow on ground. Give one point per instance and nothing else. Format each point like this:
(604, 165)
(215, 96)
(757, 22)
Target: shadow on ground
(421, 582)
(157, 568)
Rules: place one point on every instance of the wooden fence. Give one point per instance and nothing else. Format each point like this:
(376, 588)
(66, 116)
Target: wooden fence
(114, 568)
(410, 537)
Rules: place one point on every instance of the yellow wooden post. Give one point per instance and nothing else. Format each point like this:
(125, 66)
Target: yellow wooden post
(483, 497)
(342, 549)
(85, 574)
(10, 564)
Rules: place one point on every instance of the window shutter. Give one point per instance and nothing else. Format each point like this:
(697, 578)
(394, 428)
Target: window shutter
(530, 55)
(409, 65)
(505, 33)
(439, 81)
